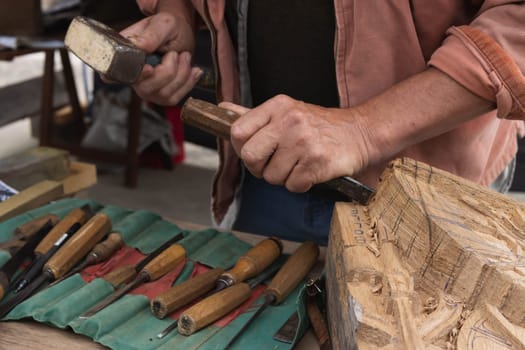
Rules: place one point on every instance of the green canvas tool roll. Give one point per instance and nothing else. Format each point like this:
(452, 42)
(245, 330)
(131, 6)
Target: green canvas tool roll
(128, 322)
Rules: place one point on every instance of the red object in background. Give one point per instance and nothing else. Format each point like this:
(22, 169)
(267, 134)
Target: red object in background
(173, 116)
(154, 156)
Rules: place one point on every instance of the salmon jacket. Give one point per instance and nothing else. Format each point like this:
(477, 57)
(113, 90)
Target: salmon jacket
(378, 43)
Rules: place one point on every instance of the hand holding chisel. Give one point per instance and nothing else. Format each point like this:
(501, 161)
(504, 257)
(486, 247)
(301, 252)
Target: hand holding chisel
(217, 121)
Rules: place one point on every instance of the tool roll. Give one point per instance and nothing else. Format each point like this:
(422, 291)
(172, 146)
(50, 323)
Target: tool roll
(128, 323)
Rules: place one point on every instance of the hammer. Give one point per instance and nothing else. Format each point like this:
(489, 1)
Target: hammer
(106, 51)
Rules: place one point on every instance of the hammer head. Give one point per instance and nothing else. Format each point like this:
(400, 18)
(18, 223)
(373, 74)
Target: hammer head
(105, 50)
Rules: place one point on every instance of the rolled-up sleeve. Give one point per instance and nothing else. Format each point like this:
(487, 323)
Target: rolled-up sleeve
(488, 56)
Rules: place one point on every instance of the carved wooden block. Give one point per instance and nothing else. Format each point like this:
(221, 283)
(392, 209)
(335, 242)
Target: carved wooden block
(432, 262)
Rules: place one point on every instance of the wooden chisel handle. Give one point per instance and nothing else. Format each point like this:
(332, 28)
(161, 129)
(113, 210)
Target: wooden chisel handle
(120, 275)
(79, 245)
(293, 271)
(28, 229)
(103, 250)
(212, 308)
(183, 293)
(164, 262)
(217, 121)
(78, 215)
(262, 255)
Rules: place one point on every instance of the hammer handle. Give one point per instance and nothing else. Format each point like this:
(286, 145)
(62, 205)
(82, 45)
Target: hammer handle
(217, 121)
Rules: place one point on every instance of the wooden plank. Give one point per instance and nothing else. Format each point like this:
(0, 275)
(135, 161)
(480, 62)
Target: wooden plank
(81, 177)
(31, 336)
(30, 198)
(414, 266)
(36, 164)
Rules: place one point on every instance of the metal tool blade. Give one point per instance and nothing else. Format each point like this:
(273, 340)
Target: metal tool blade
(286, 333)
(168, 329)
(16, 260)
(23, 295)
(113, 297)
(157, 251)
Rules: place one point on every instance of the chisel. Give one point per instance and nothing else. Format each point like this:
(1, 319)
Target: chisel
(158, 267)
(258, 258)
(23, 233)
(178, 296)
(292, 272)
(38, 264)
(12, 265)
(66, 226)
(217, 305)
(252, 263)
(126, 273)
(101, 252)
(66, 257)
(217, 121)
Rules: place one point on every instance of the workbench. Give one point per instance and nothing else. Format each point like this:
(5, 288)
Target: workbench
(31, 335)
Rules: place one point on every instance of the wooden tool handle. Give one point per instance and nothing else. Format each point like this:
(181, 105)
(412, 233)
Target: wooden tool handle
(103, 250)
(28, 229)
(12, 246)
(212, 308)
(4, 285)
(183, 293)
(79, 215)
(120, 275)
(79, 245)
(293, 271)
(165, 262)
(208, 117)
(255, 260)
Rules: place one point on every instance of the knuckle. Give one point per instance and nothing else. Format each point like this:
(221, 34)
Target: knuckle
(271, 177)
(249, 158)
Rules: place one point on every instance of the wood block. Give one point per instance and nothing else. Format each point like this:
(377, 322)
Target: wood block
(30, 198)
(36, 164)
(432, 262)
(81, 176)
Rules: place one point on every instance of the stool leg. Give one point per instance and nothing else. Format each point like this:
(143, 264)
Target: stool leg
(134, 125)
(69, 79)
(46, 118)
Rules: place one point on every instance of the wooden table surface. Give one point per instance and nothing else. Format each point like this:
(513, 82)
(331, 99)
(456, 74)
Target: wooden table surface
(31, 335)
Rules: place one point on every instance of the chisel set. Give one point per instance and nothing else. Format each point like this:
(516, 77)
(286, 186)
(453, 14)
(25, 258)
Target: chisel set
(50, 251)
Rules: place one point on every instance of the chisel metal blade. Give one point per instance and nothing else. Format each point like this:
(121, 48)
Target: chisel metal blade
(23, 295)
(286, 333)
(10, 268)
(111, 298)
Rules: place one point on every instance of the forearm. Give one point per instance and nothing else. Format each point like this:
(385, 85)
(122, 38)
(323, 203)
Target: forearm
(419, 108)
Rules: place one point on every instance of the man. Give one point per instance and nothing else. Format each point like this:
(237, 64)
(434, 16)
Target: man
(438, 81)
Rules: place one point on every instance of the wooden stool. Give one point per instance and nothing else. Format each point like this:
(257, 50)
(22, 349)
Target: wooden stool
(130, 158)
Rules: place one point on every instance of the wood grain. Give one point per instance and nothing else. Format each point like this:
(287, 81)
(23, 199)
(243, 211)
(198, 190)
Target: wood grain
(413, 267)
